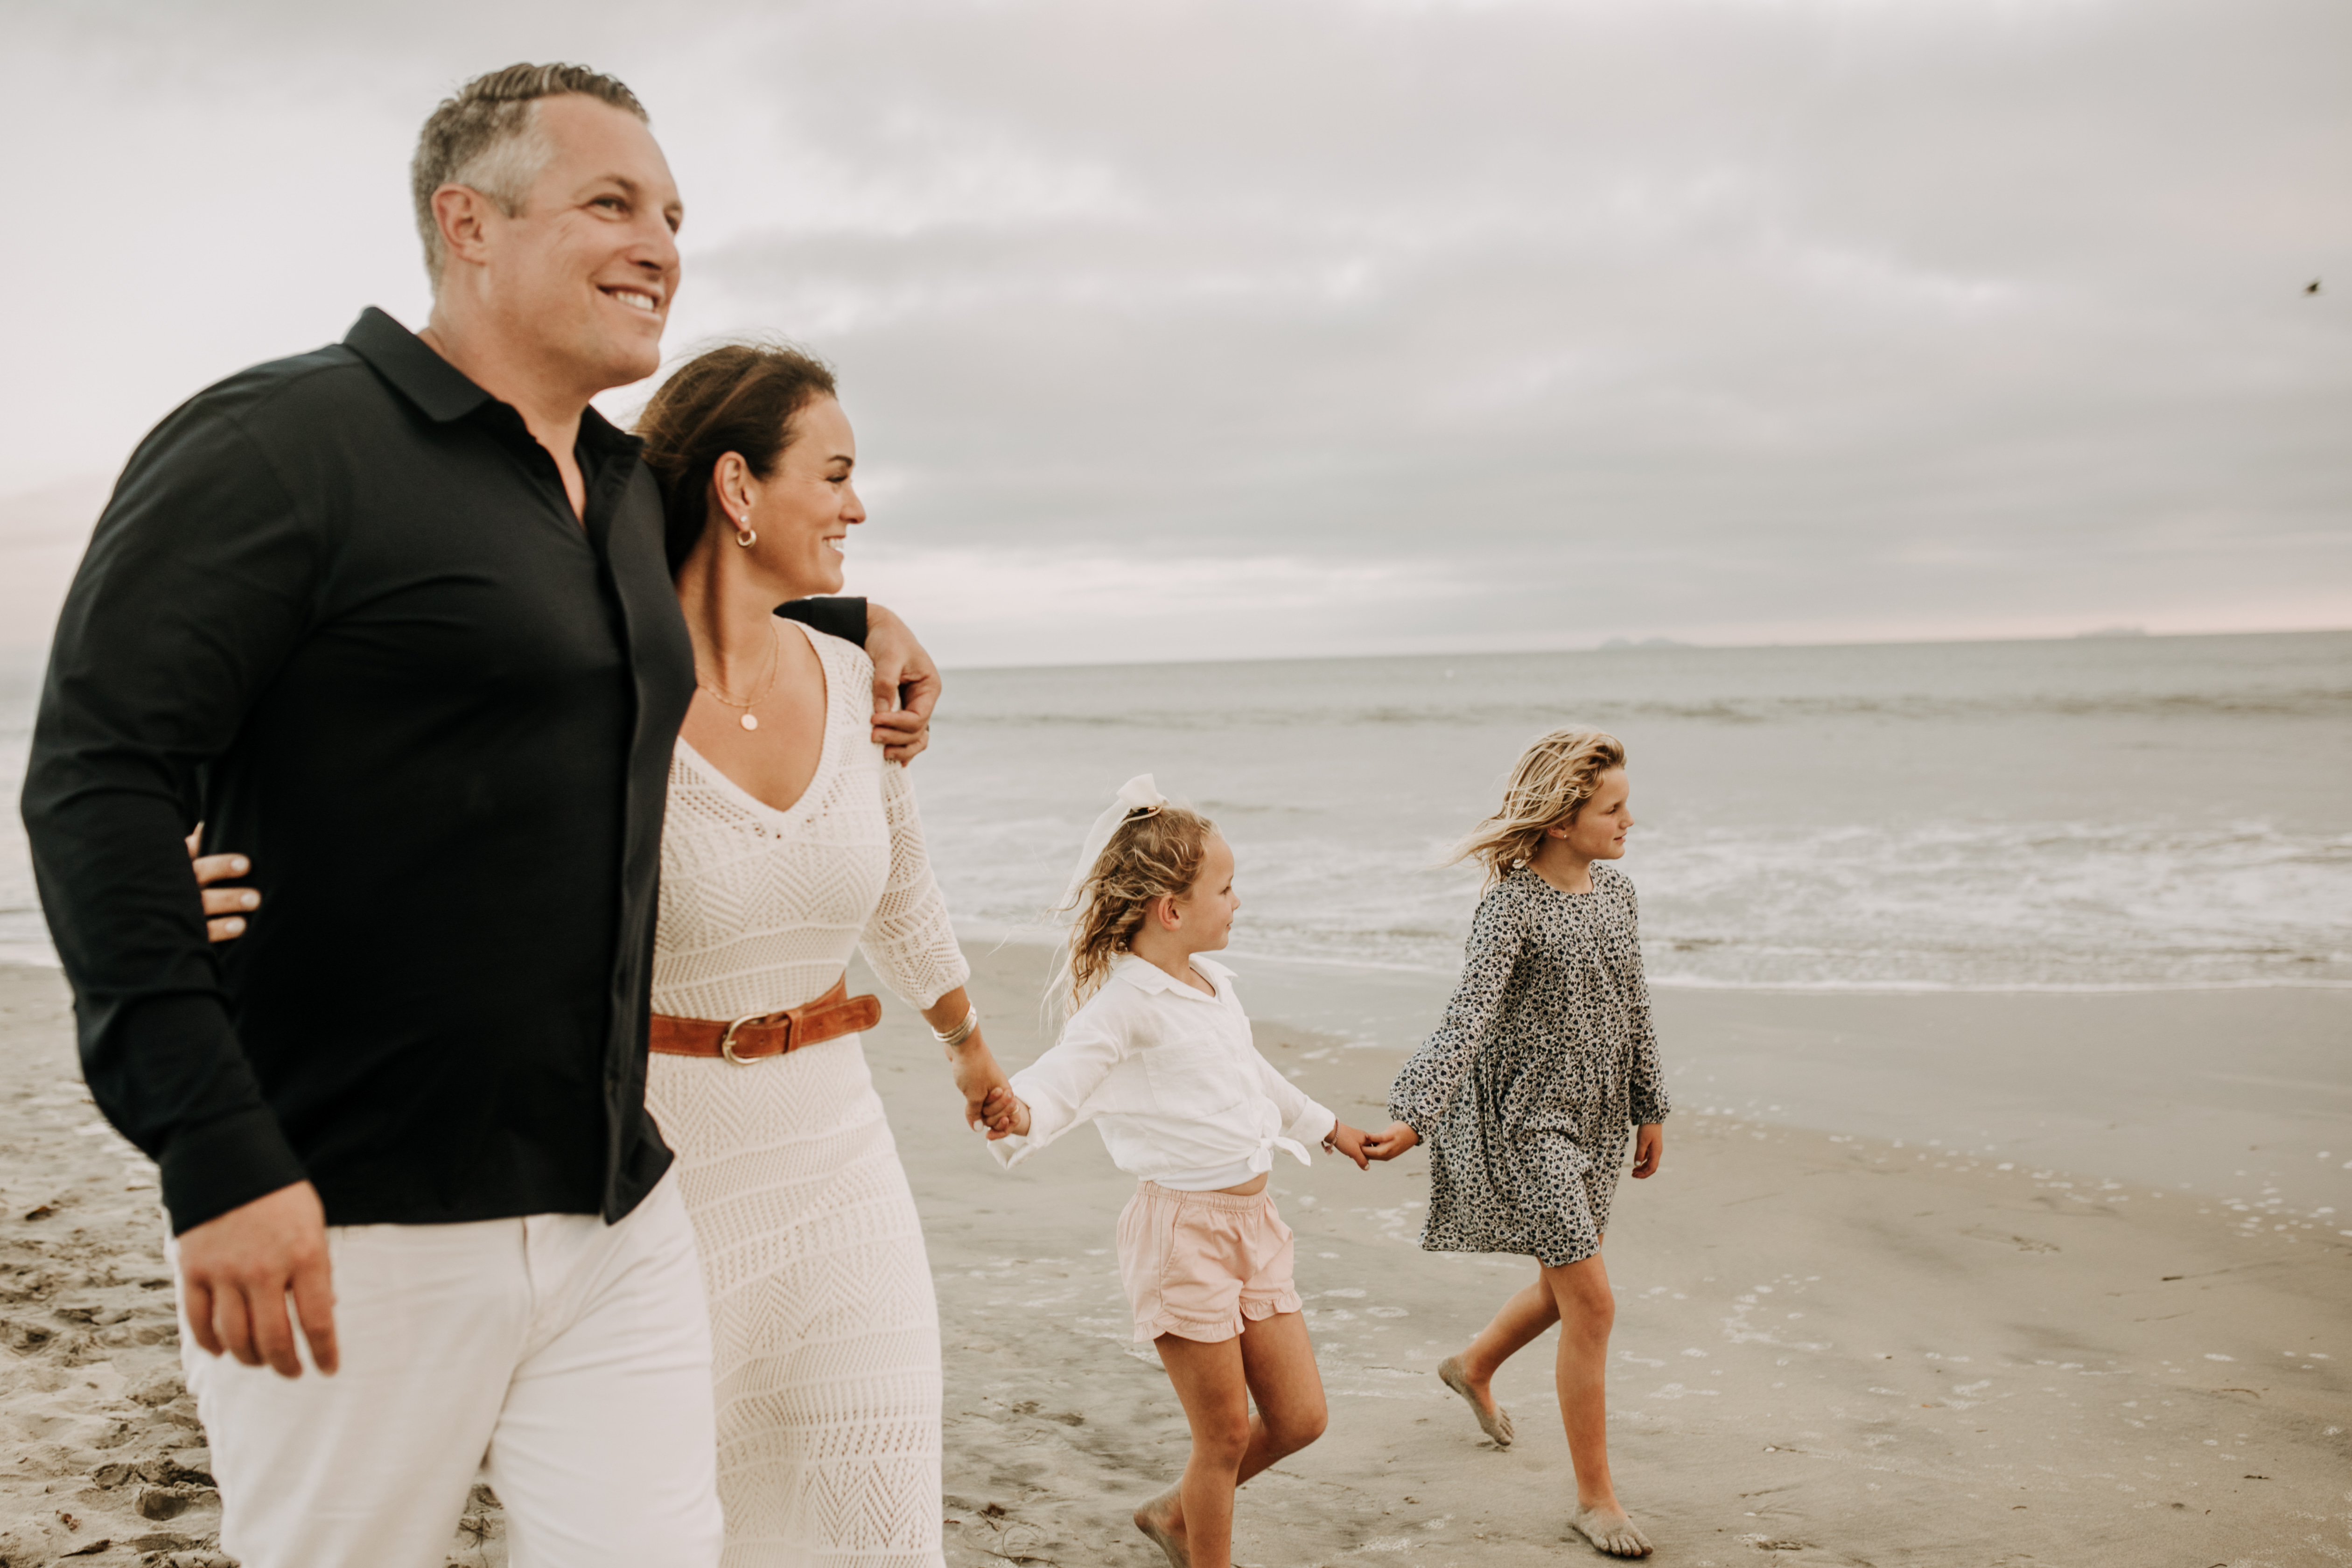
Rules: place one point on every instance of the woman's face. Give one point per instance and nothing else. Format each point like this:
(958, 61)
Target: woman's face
(1599, 831)
(803, 511)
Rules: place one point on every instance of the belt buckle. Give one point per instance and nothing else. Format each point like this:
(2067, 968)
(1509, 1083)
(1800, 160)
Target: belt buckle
(727, 1040)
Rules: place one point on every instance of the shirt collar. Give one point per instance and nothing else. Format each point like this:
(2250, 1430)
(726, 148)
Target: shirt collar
(441, 390)
(414, 369)
(1152, 980)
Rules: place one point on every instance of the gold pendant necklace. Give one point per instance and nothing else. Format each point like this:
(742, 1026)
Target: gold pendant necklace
(775, 667)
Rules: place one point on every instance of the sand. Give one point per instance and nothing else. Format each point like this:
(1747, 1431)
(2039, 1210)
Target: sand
(1829, 1348)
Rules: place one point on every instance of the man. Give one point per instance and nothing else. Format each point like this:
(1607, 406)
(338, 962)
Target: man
(393, 617)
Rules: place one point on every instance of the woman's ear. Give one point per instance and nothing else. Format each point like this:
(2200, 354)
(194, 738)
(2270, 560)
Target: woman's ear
(731, 484)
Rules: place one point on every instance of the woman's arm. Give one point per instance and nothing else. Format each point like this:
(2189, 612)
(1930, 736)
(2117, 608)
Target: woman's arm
(912, 945)
(969, 1061)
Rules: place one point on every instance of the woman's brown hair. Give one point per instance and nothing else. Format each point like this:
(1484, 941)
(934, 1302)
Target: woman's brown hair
(1156, 853)
(738, 397)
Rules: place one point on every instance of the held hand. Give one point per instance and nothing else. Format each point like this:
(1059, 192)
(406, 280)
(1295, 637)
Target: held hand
(1389, 1141)
(977, 1076)
(906, 686)
(224, 908)
(1348, 1141)
(1006, 1114)
(1648, 1148)
(236, 1272)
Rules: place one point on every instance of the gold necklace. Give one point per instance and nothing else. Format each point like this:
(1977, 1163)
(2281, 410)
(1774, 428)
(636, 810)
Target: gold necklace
(775, 667)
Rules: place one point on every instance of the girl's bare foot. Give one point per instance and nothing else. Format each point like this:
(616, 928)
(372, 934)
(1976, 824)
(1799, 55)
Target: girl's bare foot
(1493, 1419)
(1162, 1519)
(1610, 1530)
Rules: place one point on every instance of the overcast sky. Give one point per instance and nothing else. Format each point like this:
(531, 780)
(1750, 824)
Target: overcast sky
(1201, 329)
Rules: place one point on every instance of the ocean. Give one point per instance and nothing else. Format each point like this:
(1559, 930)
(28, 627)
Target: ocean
(2090, 813)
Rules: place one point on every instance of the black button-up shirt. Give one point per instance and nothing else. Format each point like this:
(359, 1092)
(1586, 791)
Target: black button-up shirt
(339, 610)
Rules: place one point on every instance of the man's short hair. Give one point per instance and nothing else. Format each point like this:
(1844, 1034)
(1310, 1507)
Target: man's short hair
(487, 137)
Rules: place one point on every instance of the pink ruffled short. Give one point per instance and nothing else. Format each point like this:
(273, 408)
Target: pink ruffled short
(1196, 1264)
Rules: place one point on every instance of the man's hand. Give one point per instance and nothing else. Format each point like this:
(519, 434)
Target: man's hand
(1388, 1142)
(1648, 1148)
(1006, 1113)
(1349, 1141)
(906, 686)
(224, 908)
(236, 1272)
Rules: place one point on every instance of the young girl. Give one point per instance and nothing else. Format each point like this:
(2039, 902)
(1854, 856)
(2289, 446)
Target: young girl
(1543, 1063)
(1157, 1054)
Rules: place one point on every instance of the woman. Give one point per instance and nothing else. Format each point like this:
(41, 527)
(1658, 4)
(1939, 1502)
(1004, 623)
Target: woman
(790, 841)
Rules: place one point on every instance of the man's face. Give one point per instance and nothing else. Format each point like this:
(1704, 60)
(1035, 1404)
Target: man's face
(585, 272)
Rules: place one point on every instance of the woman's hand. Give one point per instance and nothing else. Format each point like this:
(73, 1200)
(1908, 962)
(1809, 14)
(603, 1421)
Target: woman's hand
(1006, 1114)
(1390, 1141)
(977, 1077)
(1348, 1141)
(1648, 1148)
(224, 908)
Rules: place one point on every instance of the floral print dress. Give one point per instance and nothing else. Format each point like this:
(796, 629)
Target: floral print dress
(1527, 1092)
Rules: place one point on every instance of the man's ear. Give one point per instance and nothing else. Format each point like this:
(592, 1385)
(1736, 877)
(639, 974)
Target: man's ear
(463, 215)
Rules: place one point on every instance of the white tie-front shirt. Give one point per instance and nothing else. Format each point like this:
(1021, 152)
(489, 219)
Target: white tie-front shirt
(1168, 1074)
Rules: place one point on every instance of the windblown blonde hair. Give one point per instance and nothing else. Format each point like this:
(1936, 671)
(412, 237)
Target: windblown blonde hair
(1548, 786)
(1155, 853)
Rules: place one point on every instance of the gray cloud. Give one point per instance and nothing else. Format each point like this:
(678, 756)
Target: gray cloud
(1287, 327)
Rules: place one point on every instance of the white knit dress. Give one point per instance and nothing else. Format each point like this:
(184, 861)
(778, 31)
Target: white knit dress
(825, 1330)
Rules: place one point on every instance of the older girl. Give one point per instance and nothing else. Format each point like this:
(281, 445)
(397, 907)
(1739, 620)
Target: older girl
(1542, 1070)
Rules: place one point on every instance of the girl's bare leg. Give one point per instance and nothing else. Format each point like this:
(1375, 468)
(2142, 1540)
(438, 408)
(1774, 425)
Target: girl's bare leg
(1587, 1312)
(1523, 1319)
(1271, 1361)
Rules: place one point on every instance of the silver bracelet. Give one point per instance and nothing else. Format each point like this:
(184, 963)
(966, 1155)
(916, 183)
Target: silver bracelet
(953, 1037)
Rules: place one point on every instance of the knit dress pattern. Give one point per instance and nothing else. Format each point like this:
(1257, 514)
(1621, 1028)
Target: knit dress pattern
(1545, 1061)
(825, 1327)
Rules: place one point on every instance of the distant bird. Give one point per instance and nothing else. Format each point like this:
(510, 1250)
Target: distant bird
(2311, 287)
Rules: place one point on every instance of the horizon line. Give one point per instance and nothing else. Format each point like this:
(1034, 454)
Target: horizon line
(1618, 646)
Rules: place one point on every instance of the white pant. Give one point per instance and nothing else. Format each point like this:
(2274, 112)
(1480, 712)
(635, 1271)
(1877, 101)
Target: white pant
(574, 1354)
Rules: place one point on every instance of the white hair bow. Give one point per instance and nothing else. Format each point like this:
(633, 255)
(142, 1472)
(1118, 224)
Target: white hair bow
(1137, 794)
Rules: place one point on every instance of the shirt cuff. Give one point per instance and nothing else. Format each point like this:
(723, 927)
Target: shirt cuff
(225, 1165)
(838, 616)
(1313, 1126)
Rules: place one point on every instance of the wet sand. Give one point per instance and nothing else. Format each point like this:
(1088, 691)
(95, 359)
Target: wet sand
(1829, 1348)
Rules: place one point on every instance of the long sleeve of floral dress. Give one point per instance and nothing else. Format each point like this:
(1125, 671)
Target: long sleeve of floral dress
(1428, 1081)
(1647, 1092)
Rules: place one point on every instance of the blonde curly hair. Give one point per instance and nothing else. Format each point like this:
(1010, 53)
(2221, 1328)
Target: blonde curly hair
(1156, 853)
(1548, 786)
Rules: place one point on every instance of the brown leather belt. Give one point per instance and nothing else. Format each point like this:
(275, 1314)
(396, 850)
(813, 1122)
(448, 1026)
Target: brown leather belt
(764, 1035)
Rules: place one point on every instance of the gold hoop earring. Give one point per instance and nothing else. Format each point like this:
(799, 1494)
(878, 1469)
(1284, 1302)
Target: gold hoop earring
(744, 536)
